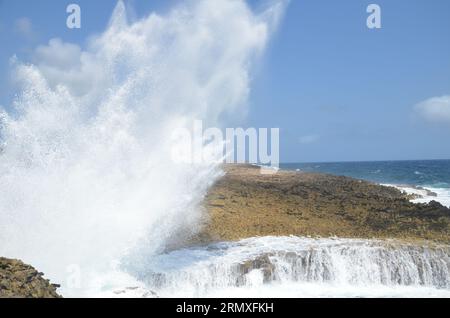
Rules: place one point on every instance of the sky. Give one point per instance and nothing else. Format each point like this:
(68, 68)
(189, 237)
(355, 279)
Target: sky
(337, 90)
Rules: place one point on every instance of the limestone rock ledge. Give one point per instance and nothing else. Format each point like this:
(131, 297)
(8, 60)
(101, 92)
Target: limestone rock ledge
(245, 203)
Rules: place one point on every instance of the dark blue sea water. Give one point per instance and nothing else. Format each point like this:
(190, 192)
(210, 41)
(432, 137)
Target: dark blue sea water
(429, 173)
(433, 175)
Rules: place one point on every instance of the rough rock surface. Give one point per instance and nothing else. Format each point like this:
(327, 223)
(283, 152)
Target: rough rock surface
(245, 203)
(18, 280)
(262, 263)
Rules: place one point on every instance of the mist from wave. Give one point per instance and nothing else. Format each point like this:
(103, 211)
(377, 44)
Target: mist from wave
(87, 176)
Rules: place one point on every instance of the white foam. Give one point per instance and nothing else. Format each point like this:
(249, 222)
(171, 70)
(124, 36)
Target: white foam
(424, 194)
(302, 267)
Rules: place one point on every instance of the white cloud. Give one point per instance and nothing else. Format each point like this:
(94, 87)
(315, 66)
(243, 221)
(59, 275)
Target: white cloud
(66, 64)
(24, 27)
(309, 139)
(435, 109)
(58, 54)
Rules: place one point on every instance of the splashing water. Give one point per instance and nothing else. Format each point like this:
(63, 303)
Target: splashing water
(301, 267)
(86, 176)
(90, 194)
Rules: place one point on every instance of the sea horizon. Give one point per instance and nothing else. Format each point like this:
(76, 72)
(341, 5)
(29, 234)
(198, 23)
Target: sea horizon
(359, 161)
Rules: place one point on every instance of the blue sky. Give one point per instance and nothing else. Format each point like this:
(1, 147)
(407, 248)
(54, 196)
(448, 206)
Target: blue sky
(337, 90)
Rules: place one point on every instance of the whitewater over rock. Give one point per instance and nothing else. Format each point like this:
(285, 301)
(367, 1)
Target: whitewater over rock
(303, 267)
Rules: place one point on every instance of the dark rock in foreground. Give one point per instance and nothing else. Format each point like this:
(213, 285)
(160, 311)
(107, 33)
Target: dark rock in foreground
(18, 280)
(245, 203)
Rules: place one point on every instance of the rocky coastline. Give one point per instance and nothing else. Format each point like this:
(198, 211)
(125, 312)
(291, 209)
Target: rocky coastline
(245, 203)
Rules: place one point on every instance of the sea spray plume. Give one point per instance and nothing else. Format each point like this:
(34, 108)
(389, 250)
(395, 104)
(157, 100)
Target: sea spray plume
(85, 171)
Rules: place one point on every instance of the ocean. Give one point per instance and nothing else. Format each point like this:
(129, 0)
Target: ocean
(412, 176)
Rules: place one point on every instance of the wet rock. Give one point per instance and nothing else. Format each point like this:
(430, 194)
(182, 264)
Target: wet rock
(262, 263)
(135, 292)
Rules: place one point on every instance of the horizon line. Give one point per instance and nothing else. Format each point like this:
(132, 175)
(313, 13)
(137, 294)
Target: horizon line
(362, 161)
